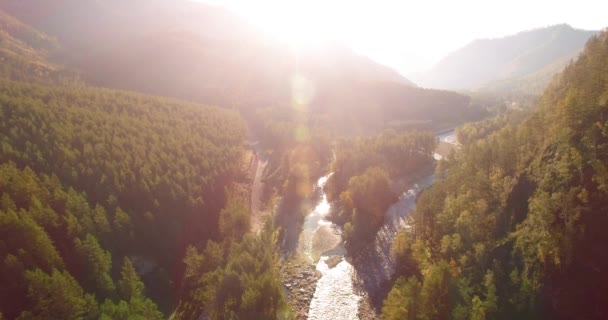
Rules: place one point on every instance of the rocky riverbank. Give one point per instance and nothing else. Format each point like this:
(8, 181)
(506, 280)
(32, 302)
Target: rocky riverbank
(299, 280)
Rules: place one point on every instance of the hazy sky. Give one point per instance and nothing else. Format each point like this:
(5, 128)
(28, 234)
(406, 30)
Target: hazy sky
(411, 36)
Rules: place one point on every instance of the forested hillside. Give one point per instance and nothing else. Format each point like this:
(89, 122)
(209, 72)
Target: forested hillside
(94, 177)
(364, 170)
(193, 51)
(122, 205)
(53, 265)
(515, 226)
(25, 53)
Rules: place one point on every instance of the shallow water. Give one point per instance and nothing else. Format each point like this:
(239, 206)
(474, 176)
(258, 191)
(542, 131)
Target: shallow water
(314, 223)
(334, 297)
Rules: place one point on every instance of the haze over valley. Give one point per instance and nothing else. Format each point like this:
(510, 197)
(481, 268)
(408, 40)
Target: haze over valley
(302, 160)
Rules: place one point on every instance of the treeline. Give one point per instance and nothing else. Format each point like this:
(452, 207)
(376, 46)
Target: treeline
(471, 132)
(363, 172)
(174, 49)
(514, 227)
(367, 107)
(93, 177)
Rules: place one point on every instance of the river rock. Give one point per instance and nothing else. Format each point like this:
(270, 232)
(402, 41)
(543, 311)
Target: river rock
(333, 261)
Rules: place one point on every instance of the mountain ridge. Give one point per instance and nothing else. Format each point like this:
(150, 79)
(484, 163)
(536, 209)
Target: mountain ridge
(208, 55)
(486, 61)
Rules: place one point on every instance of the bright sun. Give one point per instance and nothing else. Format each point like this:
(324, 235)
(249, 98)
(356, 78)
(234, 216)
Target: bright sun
(312, 24)
(298, 23)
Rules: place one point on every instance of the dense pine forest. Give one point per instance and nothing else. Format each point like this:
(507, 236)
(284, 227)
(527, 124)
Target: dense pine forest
(514, 228)
(93, 177)
(117, 204)
(25, 54)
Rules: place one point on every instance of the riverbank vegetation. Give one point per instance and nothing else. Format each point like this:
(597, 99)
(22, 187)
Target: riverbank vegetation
(514, 226)
(296, 148)
(471, 132)
(361, 176)
(118, 205)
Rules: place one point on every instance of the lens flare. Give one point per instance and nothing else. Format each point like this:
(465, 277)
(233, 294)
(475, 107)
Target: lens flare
(302, 92)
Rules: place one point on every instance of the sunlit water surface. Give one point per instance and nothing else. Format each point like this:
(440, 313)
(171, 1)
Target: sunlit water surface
(334, 297)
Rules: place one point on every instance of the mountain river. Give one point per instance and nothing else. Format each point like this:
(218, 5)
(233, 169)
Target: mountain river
(336, 296)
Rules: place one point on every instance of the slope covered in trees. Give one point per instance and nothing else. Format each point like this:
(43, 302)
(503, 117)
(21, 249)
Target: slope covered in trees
(193, 51)
(92, 177)
(236, 279)
(515, 226)
(25, 53)
(53, 266)
(504, 63)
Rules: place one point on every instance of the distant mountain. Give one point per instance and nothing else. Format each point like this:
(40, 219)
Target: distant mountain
(25, 52)
(532, 84)
(506, 63)
(182, 48)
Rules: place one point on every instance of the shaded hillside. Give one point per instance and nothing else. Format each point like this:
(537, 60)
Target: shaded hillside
(514, 228)
(532, 84)
(487, 61)
(90, 176)
(359, 107)
(179, 48)
(25, 53)
(207, 54)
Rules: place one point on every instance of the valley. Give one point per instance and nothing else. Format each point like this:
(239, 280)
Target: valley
(175, 160)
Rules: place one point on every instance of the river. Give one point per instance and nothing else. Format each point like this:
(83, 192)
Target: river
(321, 242)
(336, 296)
(342, 287)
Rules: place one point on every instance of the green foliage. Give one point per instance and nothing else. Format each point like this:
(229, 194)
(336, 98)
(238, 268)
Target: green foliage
(403, 300)
(238, 283)
(360, 179)
(134, 304)
(472, 132)
(57, 296)
(47, 245)
(296, 145)
(97, 262)
(519, 214)
(157, 158)
(93, 175)
(129, 285)
(234, 219)
(399, 154)
(403, 253)
(25, 52)
(365, 201)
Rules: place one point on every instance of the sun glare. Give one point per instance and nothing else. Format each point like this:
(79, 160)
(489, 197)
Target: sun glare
(409, 36)
(302, 24)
